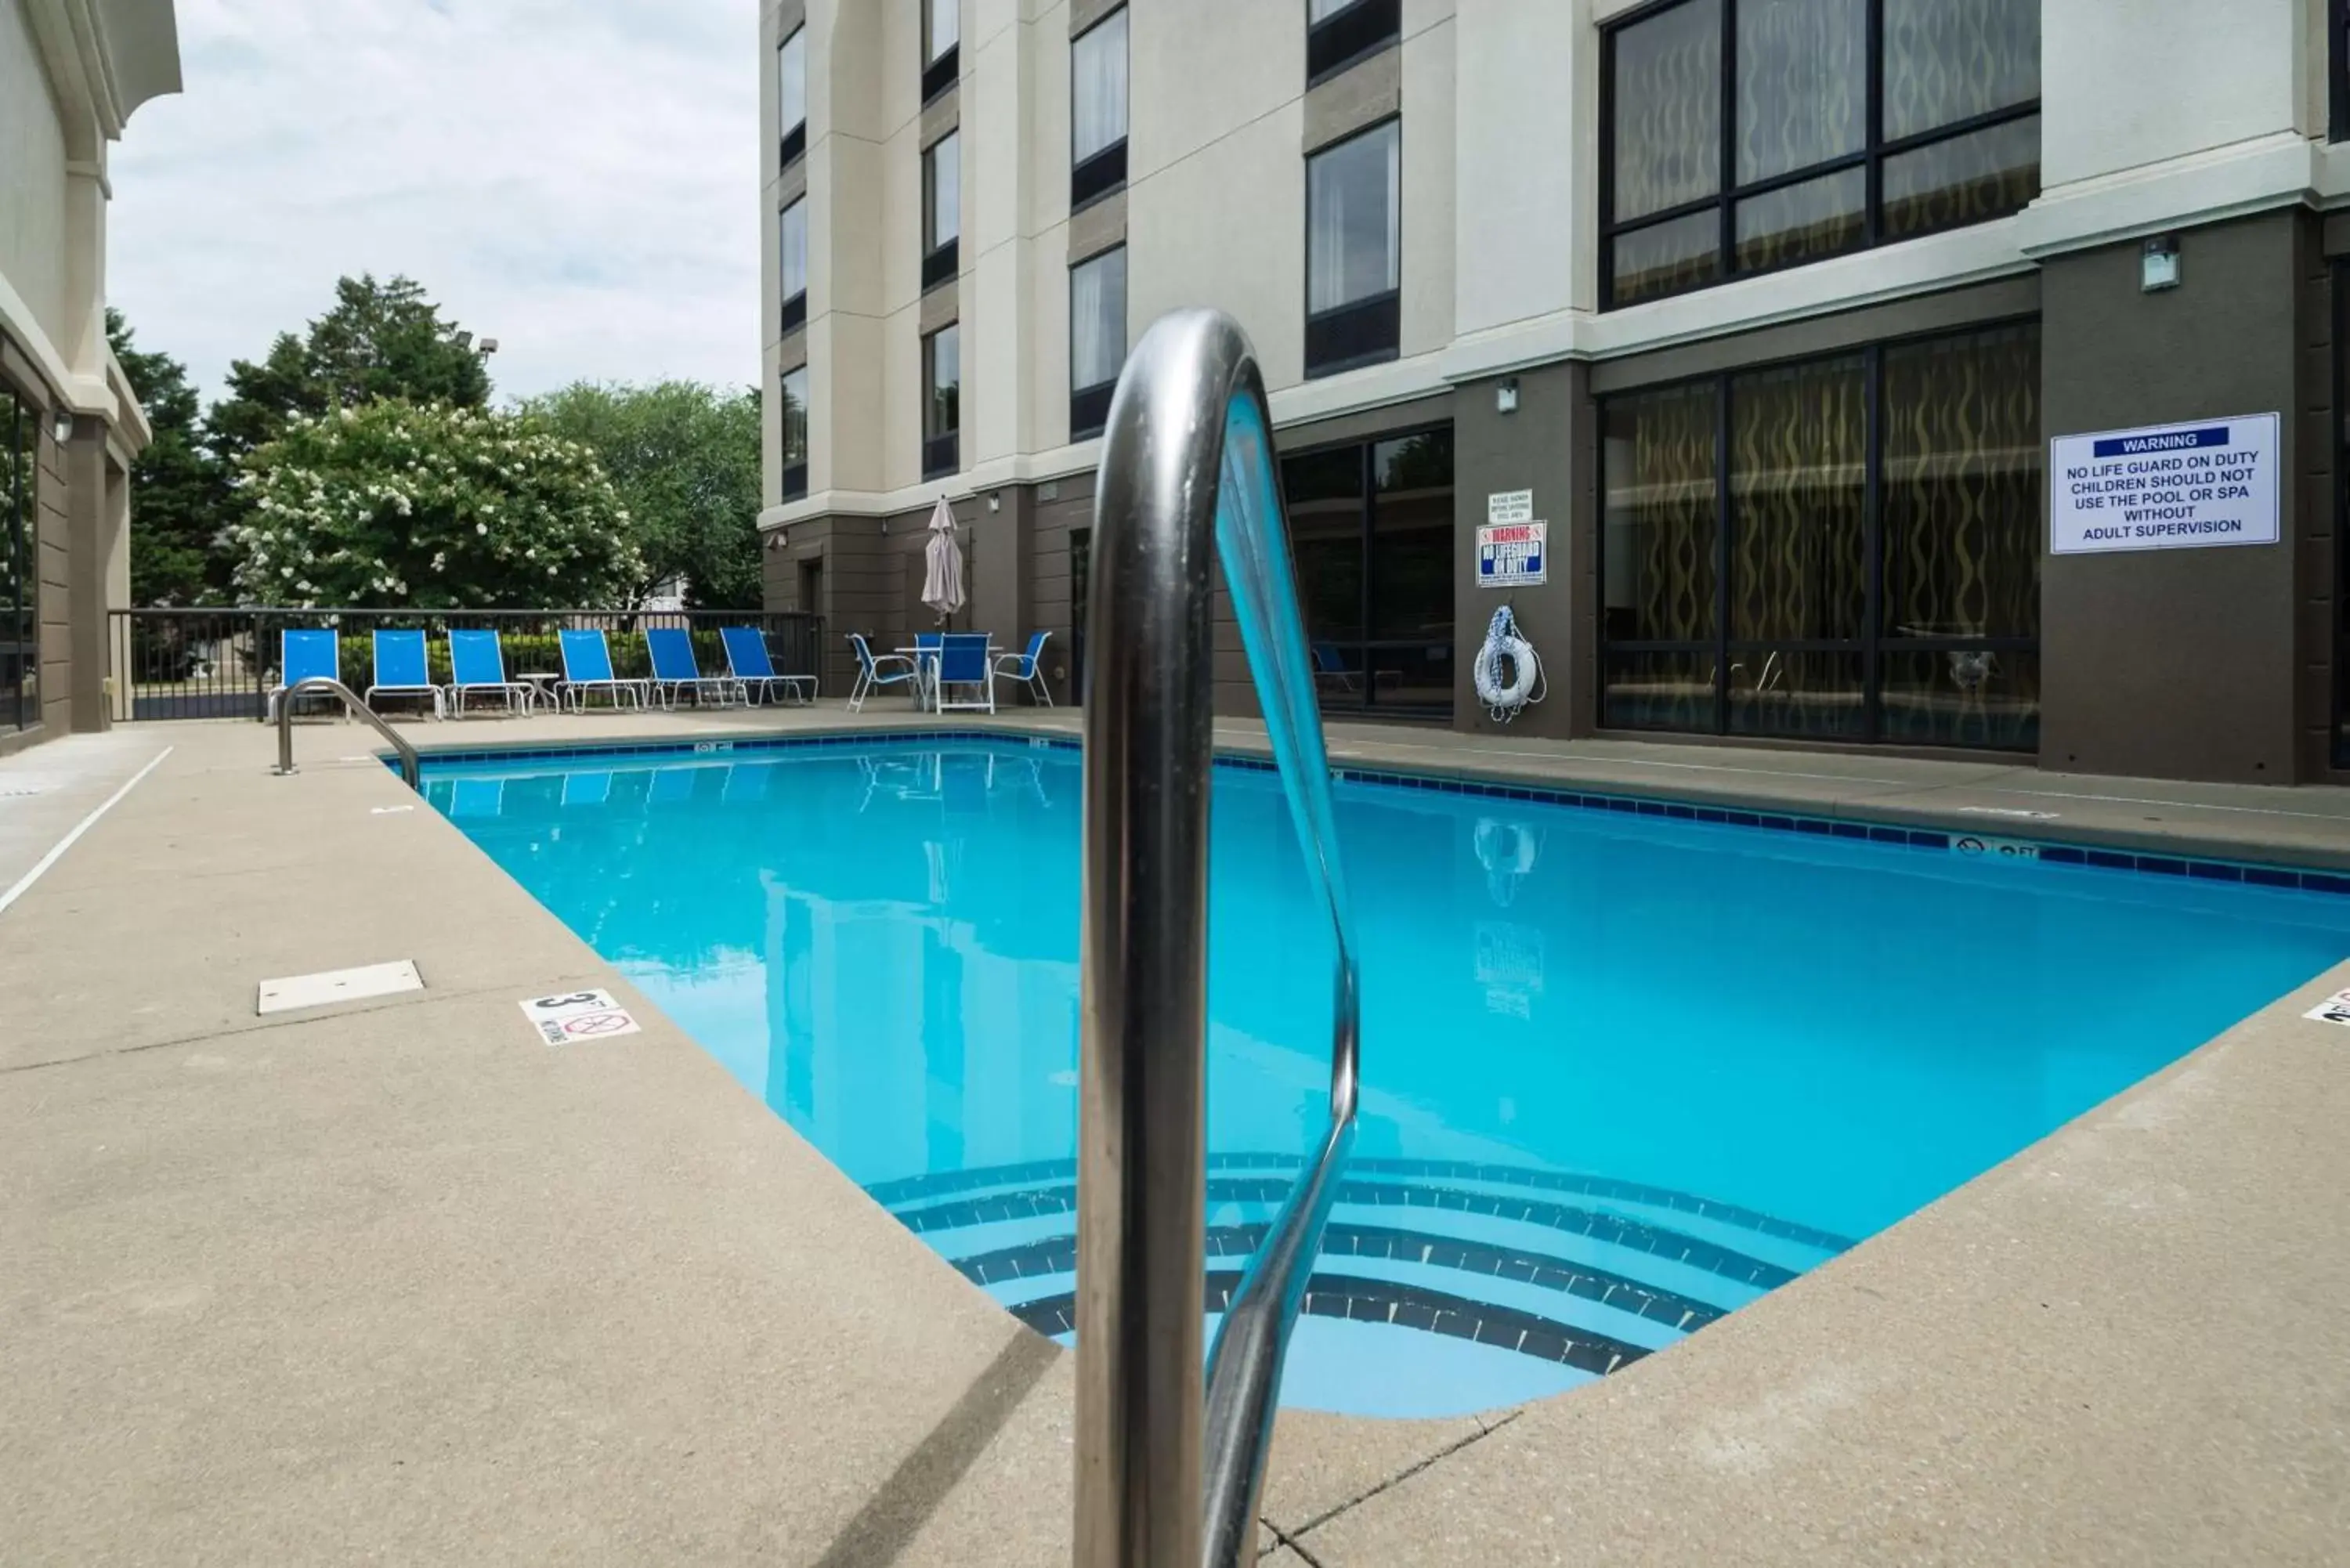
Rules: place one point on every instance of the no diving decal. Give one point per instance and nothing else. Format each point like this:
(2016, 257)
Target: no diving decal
(579, 1015)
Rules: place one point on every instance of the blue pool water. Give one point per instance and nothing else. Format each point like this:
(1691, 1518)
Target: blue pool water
(1621, 1074)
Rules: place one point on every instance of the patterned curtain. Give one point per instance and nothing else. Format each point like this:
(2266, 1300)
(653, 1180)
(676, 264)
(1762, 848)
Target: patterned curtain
(1667, 106)
(1948, 61)
(1798, 554)
(1660, 513)
(1802, 84)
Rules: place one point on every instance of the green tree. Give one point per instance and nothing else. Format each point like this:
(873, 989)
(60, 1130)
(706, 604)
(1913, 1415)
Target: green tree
(179, 490)
(433, 507)
(381, 340)
(685, 459)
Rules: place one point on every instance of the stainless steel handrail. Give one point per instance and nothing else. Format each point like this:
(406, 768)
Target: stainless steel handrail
(1165, 1478)
(281, 708)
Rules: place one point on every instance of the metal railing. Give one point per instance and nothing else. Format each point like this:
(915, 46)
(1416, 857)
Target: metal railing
(282, 711)
(205, 663)
(1168, 1477)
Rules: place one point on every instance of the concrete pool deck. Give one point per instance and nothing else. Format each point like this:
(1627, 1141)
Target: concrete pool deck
(394, 1279)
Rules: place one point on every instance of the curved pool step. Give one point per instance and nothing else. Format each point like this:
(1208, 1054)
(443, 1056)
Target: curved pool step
(1601, 1226)
(1588, 1271)
(1415, 1307)
(1438, 1257)
(1045, 1173)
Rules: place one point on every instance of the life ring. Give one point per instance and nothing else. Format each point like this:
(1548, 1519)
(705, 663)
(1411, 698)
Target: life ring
(1503, 700)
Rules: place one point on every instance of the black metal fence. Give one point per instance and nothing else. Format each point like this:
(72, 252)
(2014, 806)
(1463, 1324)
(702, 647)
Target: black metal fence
(222, 664)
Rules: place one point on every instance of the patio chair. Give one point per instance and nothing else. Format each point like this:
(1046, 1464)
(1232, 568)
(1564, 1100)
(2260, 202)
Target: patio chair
(400, 669)
(477, 664)
(926, 664)
(963, 661)
(747, 661)
(676, 670)
(877, 670)
(302, 655)
(1026, 668)
(1330, 668)
(587, 670)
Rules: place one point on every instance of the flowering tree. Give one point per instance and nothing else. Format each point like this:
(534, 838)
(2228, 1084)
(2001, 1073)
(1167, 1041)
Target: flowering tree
(431, 507)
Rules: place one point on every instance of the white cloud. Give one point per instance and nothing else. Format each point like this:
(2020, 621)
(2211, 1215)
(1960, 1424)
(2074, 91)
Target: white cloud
(577, 179)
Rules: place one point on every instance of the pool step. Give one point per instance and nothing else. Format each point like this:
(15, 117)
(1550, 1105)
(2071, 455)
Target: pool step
(1588, 1270)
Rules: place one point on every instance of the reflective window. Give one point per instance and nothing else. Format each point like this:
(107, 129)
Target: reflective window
(793, 247)
(791, 82)
(1371, 531)
(943, 192)
(941, 401)
(941, 27)
(1943, 114)
(795, 410)
(1097, 319)
(1353, 201)
(1098, 87)
(20, 565)
(1757, 578)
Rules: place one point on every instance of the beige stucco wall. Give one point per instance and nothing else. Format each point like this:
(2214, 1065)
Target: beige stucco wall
(32, 179)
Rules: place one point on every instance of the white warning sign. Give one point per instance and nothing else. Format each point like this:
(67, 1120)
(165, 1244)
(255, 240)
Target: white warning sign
(579, 1015)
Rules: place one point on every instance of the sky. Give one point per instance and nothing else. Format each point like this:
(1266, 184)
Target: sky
(578, 179)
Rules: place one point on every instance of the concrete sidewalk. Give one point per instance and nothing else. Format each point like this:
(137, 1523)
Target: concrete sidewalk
(397, 1281)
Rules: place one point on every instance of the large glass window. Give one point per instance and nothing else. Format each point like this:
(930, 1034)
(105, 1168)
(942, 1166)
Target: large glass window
(792, 246)
(1096, 338)
(941, 208)
(791, 94)
(1370, 528)
(1353, 251)
(942, 29)
(795, 411)
(1842, 549)
(1340, 33)
(1747, 135)
(941, 401)
(1098, 109)
(20, 563)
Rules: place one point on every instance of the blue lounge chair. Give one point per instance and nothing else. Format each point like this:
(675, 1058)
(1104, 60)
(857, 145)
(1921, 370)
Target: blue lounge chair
(1026, 668)
(301, 656)
(477, 663)
(587, 670)
(747, 661)
(963, 661)
(676, 670)
(875, 669)
(400, 670)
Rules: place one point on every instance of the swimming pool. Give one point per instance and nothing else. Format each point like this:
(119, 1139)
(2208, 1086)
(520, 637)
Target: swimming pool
(1624, 1070)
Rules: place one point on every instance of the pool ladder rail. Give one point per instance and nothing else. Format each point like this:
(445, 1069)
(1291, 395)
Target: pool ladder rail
(281, 710)
(1167, 1473)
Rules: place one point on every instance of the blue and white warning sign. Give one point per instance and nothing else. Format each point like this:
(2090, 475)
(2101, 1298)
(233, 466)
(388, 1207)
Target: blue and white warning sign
(2167, 487)
(1512, 555)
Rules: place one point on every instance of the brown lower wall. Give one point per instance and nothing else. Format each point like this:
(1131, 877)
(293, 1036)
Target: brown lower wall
(2192, 664)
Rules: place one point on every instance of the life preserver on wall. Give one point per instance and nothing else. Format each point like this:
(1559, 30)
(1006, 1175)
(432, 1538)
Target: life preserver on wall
(1503, 700)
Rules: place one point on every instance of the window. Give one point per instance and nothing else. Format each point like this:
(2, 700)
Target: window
(20, 565)
(1370, 526)
(791, 94)
(1840, 549)
(1340, 32)
(1353, 251)
(792, 246)
(2338, 68)
(795, 411)
(1098, 109)
(1748, 135)
(941, 208)
(1097, 340)
(942, 27)
(941, 401)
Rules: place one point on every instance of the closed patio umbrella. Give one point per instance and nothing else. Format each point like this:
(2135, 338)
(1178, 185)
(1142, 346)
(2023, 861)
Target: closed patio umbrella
(942, 583)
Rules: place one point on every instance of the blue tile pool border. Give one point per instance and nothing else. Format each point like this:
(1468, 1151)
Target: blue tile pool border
(2047, 851)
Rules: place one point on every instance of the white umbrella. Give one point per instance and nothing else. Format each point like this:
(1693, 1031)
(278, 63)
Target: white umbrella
(942, 584)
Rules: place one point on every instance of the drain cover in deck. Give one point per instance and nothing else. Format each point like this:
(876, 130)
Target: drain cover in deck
(334, 985)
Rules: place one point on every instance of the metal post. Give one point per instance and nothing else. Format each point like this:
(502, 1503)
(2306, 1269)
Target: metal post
(1187, 469)
(281, 710)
